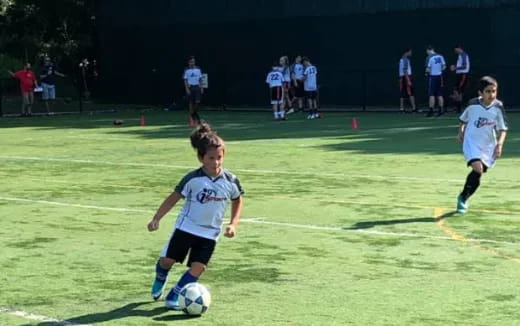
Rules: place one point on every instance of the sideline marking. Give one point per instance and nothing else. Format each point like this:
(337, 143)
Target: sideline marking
(438, 212)
(38, 318)
(266, 222)
(257, 171)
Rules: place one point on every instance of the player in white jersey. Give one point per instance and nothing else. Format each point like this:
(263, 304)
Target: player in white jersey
(405, 80)
(285, 69)
(297, 81)
(310, 85)
(435, 65)
(461, 69)
(275, 79)
(194, 90)
(482, 132)
(207, 192)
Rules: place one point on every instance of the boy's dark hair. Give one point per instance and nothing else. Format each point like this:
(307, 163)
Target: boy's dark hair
(458, 46)
(485, 82)
(407, 49)
(430, 47)
(306, 59)
(203, 139)
(191, 57)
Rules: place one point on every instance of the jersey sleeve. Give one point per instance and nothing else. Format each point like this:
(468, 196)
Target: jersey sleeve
(237, 191)
(501, 123)
(18, 74)
(183, 187)
(464, 117)
(267, 78)
(443, 61)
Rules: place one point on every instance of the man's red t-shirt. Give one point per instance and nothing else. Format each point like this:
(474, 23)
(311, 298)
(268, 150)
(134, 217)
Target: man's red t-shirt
(27, 80)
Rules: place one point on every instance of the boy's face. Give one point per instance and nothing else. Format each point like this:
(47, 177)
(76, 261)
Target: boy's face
(489, 94)
(27, 66)
(212, 161)
(408, 54)
(458, 50)
(191, 62)
(298, 59)
(306, 63)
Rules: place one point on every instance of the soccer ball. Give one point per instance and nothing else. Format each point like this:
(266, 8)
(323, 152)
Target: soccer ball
(194, 299)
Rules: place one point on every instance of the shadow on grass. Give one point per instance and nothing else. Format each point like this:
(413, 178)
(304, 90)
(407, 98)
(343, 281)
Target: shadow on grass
(371, 224)
(129, 310)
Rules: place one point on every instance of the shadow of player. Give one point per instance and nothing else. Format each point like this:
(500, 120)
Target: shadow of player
(371, 224)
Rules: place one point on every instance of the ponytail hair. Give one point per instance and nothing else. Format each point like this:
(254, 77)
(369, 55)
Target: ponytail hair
(203, 138)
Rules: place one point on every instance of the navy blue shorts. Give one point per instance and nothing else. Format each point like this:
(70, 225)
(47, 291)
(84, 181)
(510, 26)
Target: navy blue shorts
(435, 86)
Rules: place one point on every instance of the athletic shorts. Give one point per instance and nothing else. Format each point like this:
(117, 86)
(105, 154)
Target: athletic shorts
(298, 89)
(28, 98)
(277, 95)
(311, 95)
(181, 242)
(435, 86)
(406, 90)
(484, 166)
(48, 91)
(195, 94)
(461, 83)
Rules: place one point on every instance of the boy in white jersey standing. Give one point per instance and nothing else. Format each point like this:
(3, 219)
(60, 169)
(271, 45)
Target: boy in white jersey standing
(435, 65)
(482, 132)
(194, 90)
(461, 69)
(297, 80)
(285, 69)
(310, 85)
(275, 80)
(405, 80)
(207, 191)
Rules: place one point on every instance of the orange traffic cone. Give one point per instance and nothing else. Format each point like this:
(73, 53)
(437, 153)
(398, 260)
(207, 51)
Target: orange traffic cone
(143, 122)
(354, 124)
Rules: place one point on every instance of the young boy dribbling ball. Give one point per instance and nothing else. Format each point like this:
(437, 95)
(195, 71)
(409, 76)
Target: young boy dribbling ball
(482, 131)
(207, 192)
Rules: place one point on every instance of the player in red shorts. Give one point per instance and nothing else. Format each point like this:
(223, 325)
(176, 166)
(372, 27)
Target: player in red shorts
(461, 70)
(405, 80)
(28, 82)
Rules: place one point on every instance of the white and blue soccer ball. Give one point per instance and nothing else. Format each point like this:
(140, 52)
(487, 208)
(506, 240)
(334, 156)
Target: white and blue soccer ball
(194, 299)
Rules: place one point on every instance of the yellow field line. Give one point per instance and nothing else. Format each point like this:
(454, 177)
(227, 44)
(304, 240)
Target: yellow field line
(438, 214)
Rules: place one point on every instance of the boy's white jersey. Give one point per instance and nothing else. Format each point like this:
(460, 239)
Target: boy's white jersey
(297, 69)
(310, 83)
(206, 201)
(436, 63)
(482, 123)
(193, 76)
(462, 66)
(275, 78)
(405, 69)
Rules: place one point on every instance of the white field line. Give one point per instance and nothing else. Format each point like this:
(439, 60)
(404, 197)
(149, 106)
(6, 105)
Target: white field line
(265, 222)
(255, 171)
(38, 318)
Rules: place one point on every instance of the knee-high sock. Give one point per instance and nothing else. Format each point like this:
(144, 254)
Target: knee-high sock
(472, 184)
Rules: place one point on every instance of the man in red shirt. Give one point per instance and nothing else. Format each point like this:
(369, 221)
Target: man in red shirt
(28, 82)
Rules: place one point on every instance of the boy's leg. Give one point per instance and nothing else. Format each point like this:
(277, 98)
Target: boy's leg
(471, 185)
(162, 268)
(412, 103)
(431, 105)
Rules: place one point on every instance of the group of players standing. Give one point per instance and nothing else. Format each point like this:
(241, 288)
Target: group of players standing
(434, 69)
(292, 83)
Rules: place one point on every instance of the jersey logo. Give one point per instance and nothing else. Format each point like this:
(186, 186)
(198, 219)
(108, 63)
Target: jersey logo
(207, 195)
(482, 122)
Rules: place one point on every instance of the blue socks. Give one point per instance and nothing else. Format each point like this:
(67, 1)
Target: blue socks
(160, 273)
(185, 279)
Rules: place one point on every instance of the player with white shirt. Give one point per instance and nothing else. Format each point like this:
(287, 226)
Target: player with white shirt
(435, 65)
(461, 69)
(405, 80)
(194, 90)
(285, 69)
(207, 192)
(482, 132)
(310, 85)
(297, 77)
(275, 79)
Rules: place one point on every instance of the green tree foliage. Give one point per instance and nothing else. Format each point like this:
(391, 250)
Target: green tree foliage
(62, 28)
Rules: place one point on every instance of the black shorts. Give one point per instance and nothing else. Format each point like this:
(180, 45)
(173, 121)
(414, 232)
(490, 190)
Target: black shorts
(298, 89)
(405, 86)
(276, 95)
(484, 167)
(311, 95)
(462, 81)
(195, 94)
(181, 242)
(435, 86)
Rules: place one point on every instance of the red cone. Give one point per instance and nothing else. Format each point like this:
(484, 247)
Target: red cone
(354, 124)
(143, 122)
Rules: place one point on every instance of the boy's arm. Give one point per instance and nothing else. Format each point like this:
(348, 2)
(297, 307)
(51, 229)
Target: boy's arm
(460, 135)
(500, 143)
(236, 211)
(11, 73)
(59, 73)
(165, 207)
